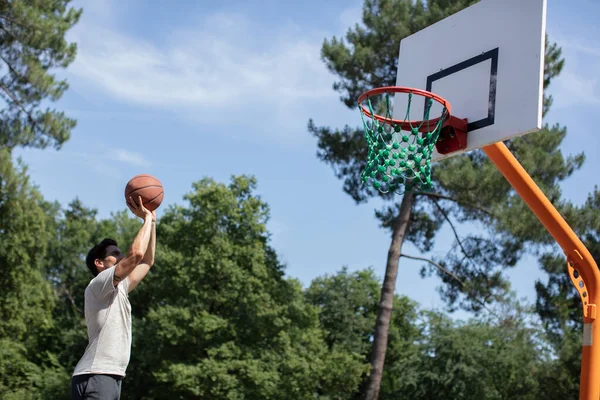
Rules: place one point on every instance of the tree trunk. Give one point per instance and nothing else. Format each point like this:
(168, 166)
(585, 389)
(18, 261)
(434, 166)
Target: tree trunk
(384, 313)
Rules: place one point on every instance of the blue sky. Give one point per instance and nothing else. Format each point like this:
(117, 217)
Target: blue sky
(221, 88)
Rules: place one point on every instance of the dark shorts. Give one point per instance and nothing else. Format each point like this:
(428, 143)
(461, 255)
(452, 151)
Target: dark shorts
(96, 387)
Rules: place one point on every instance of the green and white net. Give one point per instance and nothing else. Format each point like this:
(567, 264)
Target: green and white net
(399, 155)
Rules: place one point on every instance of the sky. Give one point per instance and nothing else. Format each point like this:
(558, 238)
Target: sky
(215, 89)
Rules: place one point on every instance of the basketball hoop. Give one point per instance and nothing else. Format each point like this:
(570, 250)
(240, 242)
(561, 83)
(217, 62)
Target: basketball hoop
(400, 151)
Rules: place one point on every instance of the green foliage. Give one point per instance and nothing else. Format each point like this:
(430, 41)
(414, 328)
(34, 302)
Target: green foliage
(32, 42)
(217, 319)
(22, 379)
(348, 304)
(475, 360)
(27, 368)
(559, 377)
(429, 355)
(552, 67)
(17, 373)
(26, 299)
(74, 230)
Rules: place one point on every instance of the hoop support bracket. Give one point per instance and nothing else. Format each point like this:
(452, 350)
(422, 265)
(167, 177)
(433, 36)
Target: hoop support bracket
(589, 310)
(453, 136)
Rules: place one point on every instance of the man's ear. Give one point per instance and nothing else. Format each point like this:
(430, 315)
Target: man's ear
(98, 263)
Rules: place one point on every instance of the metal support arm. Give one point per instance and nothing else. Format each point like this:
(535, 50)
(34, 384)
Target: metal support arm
(581, 266)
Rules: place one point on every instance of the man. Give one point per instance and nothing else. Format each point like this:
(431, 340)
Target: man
(99, 373)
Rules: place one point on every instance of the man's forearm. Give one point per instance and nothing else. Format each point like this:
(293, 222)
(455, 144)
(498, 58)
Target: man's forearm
(149, 255)
(141, 242)
(136, 253)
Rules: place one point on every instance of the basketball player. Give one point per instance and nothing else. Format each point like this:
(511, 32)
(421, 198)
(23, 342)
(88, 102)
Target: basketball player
(101, 369)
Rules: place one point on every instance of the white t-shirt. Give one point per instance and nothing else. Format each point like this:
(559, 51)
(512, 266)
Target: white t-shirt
(108, 319)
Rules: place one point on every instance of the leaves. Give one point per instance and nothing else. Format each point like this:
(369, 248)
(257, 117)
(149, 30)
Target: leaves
(32, 43)
(216, 317)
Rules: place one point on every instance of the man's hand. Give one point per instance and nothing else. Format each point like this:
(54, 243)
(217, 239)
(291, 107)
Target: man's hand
(139, 210)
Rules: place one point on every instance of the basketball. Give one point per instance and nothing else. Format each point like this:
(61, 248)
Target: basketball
(146, 186)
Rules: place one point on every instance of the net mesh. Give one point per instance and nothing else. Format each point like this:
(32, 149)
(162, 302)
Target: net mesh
(398, 159)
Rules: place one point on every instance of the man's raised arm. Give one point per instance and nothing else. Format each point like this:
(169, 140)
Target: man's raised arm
(141, 270)
(139, 246)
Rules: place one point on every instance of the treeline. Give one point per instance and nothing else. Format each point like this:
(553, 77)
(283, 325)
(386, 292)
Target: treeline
(217, 318)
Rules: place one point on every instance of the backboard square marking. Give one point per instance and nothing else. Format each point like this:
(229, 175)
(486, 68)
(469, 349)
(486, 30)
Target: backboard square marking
(491, 55)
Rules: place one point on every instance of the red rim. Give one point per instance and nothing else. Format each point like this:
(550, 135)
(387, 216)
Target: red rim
(405, 125)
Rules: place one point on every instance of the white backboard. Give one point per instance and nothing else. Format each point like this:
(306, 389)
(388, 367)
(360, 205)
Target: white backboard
(487, 61)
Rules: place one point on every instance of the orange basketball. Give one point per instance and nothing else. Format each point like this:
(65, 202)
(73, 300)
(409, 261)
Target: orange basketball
(146, 186)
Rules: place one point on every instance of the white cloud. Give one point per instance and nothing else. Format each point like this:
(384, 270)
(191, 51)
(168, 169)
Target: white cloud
(104, 169)
(108, 157)
(578, 45)
(226, 74)
(129, 157)
(221, 63)
(572, 89)
(577, 85)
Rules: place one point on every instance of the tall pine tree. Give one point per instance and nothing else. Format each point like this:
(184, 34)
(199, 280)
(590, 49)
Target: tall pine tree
(467, 189)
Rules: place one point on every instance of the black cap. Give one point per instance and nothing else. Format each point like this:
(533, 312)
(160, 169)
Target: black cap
(114, 251)
(107, 247)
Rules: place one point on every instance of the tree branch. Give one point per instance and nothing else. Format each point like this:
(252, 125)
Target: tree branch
(12, 21)
(7, 32)
(12, 69)
(71, 299)
(437, 265)
(18, 103)
(467, 256)
(447, 218)
(444, 197)
(463, 285)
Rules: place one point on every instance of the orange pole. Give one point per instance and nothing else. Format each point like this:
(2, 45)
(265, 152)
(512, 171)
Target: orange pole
(582, 268)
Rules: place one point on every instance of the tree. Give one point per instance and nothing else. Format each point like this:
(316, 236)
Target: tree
(215, 316)
(467, 189)
(430, 356)
(347, 305)
(32, 42)
(27, 368)
(478, 359)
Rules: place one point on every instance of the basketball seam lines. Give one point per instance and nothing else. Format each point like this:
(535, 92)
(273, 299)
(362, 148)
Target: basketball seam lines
(154, 198)
(151, 200)
(145, 187)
